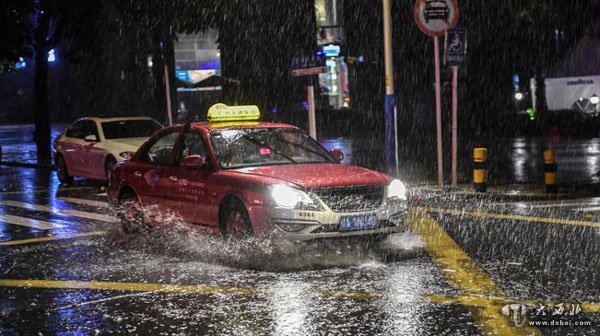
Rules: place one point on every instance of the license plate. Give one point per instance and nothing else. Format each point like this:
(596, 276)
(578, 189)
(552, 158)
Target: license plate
(360, 222)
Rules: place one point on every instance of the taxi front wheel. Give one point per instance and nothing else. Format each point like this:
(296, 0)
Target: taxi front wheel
(131, 215)
(235, 222)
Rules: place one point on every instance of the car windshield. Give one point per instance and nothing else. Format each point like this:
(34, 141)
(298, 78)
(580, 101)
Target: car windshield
(250, 147)
(129, 128)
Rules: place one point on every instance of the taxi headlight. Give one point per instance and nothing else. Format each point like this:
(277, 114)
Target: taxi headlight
(126, 154)
(291, 198)
(396, 190)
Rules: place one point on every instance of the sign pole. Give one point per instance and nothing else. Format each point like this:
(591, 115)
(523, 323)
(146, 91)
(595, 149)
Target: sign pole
(454, 121)
(389, 107)
(168, 96)
(438, 111)
(310, 94)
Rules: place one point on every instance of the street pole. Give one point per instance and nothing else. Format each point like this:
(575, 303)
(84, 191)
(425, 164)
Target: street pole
(310, 94)
(454, 121)
(168, 95)
(390, 148)
(438, 111)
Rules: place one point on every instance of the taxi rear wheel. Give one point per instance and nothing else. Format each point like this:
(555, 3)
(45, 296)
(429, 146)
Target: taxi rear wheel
(235, 222)
(61, 170)
(131, 215)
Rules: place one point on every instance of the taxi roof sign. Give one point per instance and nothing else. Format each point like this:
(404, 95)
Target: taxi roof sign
(221, 112)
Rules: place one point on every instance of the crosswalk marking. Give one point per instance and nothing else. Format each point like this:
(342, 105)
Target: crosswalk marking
(46, 208)
(29, 222)
(82, 201)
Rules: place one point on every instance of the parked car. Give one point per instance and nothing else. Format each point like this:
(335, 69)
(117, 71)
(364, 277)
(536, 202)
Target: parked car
(91, 146)
(239, 177)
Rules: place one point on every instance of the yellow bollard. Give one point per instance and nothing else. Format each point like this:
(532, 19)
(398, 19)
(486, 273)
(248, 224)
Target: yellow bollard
(480, 169)
(550, 172)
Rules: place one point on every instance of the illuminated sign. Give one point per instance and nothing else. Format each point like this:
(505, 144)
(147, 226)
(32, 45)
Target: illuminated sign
(331, 50)
(221, 112)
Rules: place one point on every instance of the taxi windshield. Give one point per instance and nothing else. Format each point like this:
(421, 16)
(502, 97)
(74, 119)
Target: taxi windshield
(250, 147)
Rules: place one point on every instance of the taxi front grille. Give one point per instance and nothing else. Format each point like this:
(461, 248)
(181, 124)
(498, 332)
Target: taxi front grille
(352, 199)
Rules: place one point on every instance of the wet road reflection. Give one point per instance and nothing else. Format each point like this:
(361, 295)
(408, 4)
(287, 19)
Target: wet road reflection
(80, 274)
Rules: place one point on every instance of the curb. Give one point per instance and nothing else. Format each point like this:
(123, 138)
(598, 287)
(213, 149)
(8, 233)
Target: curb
(531, 192)
(27, 165)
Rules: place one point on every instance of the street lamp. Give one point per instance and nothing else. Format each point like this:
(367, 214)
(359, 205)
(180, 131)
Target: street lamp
(519, 96)
(594, 100)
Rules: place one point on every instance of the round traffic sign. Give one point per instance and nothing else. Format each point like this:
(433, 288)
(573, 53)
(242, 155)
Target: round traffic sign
(434, 17)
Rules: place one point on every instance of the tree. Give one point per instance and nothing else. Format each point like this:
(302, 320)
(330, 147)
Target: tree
(15, 31)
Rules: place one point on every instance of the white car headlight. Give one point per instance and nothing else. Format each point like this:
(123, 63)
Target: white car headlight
(126, 155)
(291, 198)
(396, 189)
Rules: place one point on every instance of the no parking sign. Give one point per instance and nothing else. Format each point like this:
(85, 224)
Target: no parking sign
(434, 17)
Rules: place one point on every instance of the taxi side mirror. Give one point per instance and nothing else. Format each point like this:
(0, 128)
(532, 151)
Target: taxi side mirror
(337, 154)
(193, 162)
(90, 138)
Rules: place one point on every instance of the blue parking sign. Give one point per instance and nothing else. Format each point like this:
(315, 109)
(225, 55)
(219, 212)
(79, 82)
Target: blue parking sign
(455, 47)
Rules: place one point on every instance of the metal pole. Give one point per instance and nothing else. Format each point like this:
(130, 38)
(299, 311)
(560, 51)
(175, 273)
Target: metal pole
(438, 112)
(396, 159)
(454, 121)
(310, 94)
(390, 148)
(168, 95)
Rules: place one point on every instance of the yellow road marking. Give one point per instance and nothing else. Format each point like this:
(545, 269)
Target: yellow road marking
(166, 288)
(479, 301)
(123, 286)
(51, 238)
(514, 217)
(466, 276)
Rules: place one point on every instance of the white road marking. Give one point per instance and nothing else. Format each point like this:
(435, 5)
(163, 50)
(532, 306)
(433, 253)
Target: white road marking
(28, 222)
(69, 212)
(98, 204)
(588, 209)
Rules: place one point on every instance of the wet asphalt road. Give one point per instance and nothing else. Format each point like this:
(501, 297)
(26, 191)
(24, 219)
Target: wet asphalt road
(67, 269)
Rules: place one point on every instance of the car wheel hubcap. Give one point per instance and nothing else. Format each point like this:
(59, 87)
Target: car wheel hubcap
(235, 223)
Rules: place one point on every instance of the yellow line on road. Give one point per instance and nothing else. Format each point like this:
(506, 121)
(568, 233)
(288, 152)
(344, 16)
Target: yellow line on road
(514, 217)
(51, 238)
(123, 286)
(165, 288)
(465, 275)
(479, 301)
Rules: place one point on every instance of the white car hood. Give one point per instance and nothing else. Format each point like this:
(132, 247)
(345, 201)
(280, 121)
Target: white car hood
(125, 144)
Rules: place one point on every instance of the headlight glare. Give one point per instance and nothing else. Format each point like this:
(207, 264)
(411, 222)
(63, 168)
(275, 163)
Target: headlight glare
(126, 154)
(290, 198)
(396, 190)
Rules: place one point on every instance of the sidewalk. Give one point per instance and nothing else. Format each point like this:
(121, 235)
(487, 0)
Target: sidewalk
(18, 149)
(508, 192)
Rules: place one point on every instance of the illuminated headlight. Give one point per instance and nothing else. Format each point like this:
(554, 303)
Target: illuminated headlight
(126, 155)
(290, 198)
(396, 190)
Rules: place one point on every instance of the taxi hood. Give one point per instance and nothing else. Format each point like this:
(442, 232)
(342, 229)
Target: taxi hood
(320, 175)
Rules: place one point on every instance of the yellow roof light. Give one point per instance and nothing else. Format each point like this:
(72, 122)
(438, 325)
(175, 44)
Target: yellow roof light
(221, 112)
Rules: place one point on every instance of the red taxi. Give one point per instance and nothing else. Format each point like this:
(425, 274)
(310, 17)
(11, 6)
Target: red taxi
(239, 177)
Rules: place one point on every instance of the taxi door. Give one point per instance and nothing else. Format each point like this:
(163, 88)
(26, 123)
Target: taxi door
(150, 173)
(187, 185)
